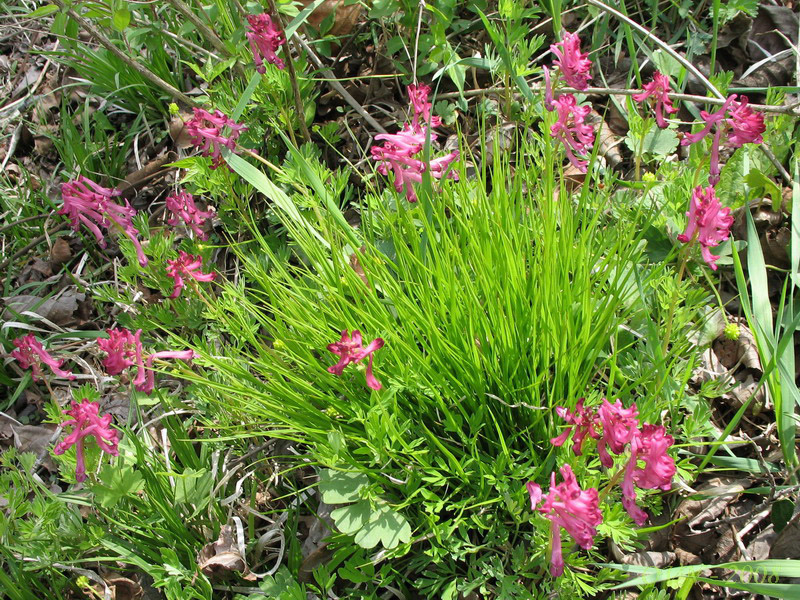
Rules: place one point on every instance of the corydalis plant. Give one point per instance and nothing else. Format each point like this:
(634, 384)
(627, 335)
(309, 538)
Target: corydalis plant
(184, 210)
(87, 422)
(205, 130)
(265, 39)
(657, 92)
(351, 350)
(124, 350)
(617, 428)
(734, 124)
(709, 223)
(567, 506)
(400, 149)
(186, 265)
(90, 204)
(571, 129)
(31, 354)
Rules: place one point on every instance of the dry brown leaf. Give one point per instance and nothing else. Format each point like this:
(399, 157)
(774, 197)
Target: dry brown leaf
(223, 556)
(177, 130)
(60, 253)
(345, 17)
(60, 310)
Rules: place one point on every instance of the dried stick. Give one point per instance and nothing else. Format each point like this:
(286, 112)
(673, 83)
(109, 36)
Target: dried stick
(298, 101)
(139, 68)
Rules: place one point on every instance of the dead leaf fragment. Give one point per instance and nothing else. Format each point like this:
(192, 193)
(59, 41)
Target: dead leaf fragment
(60, 310)
(60, 253)
(223, 556)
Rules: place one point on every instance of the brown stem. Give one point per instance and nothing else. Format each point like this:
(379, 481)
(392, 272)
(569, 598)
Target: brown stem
(298, 101)
(136, 66)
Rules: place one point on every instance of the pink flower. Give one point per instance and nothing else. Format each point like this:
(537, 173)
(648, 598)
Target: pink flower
(649, 445)
(734, 119)
(31, 354)
(569, 507)
(708, 221)
(549, 103)
(745, 124)
(619, 426)
(574, 65)
(87, 422)
(88, 203)
(399, 149)
(186, 265)
(582, 422)
(183, 208)
(265, 38)
(125, 350)
(205, 130)
(571, 130)
(659, 90)
(350, 350)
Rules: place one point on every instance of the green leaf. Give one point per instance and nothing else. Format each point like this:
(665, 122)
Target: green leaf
(782, 511)
(282, 586)
(387, 527)
(657, 142)
(193, 486)
(42, 11)
(121, 19)
(351, 518)
(762, 185)
(117, 483)
(338, 487)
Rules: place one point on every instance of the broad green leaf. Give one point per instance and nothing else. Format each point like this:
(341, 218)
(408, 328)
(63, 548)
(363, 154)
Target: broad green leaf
(762, 185)
(351, 518)
(339, 487)
(657, 142)
(117, 483)
(121, 19)
(387, 527)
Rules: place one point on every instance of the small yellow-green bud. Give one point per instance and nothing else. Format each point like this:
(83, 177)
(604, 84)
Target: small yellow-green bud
(278, 345)
(732, 331)
(649, 177)
(173, 109)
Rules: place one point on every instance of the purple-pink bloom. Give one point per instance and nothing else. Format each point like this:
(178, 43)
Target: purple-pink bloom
(571, 130)
(124, 350)
(573, 64)
(649, 445)
(734, 119)
(183, 209)
(658, 89)
(265, 39)
(399, 149)
(619, 426)
(87, 422)
(569, 507)
(205, 130)
(708, 221)
(88, 203)
(351, 350)
(581, 423)
(186, 265)
(31, 354)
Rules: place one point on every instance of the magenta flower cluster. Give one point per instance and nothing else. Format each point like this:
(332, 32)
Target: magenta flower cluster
(657, 92)
(124, 350)
(571, 129)
(265, 39)
(734, 125)
(400, 151)
(709, 223)
(617, 431)
(88, 203)
(87, 422)
(30, 354)
(206, 132)
(183, 209)
(351, 350)
(186, 265)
